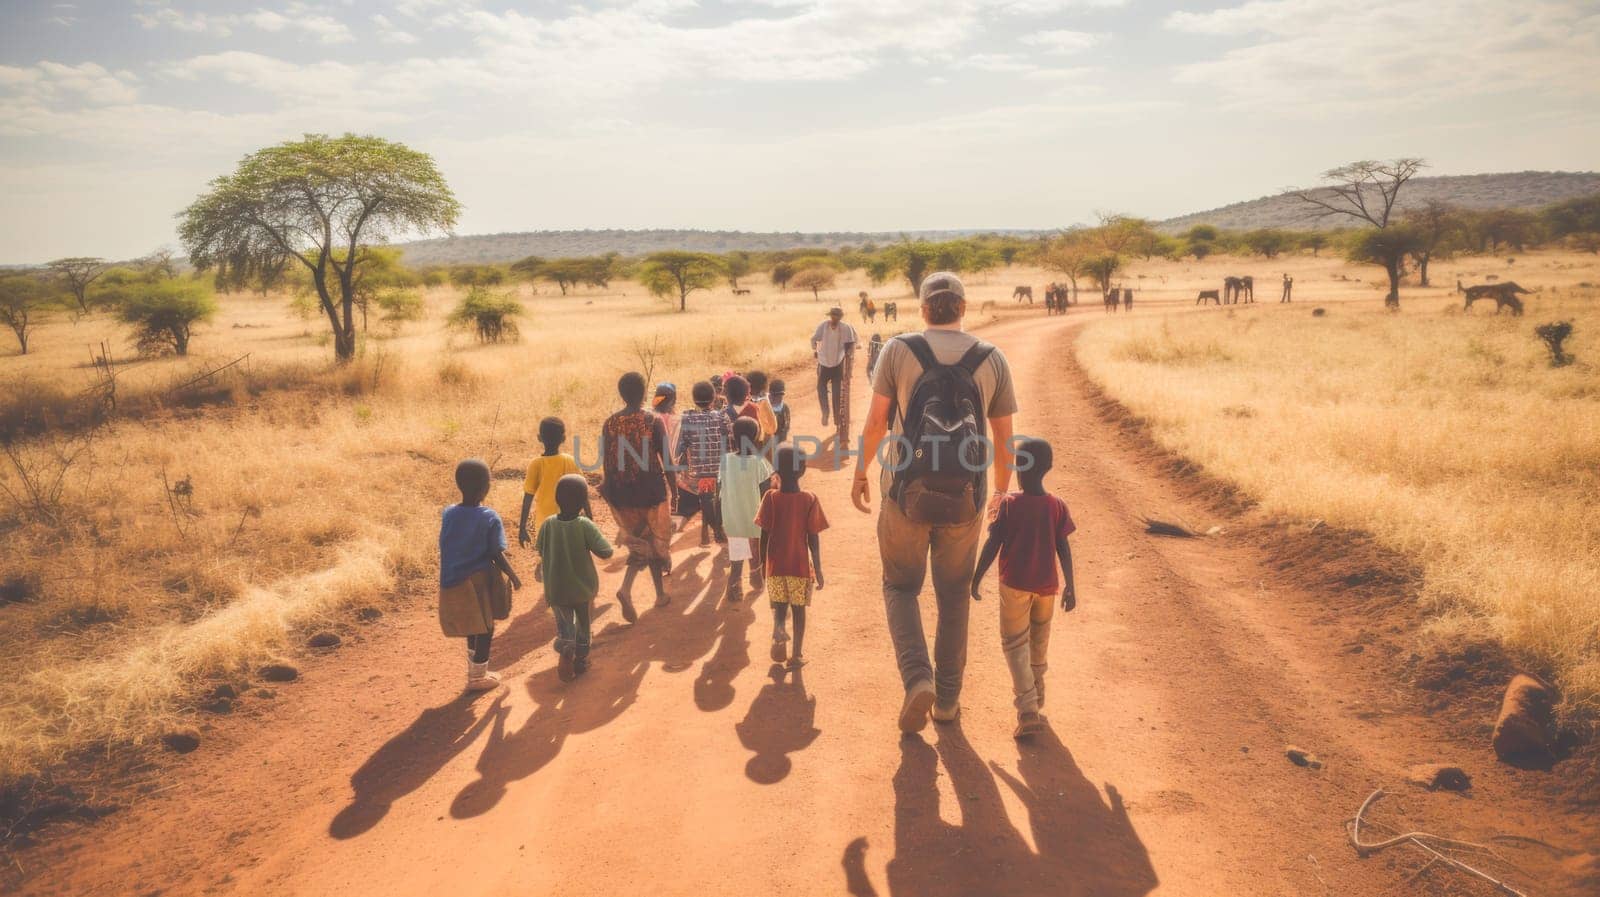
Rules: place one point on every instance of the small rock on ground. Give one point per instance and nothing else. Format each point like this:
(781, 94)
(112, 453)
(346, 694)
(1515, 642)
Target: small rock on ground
(324, 640)
(1436, 776)
(279, 672)
(181, 742)
(1300, 757)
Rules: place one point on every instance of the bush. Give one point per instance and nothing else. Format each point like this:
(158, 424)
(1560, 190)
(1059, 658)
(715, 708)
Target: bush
(490, 314)
(163, 313)
(399, 305)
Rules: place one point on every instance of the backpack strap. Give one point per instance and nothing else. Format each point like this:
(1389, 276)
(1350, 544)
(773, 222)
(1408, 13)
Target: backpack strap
(975, 356)
(918, 344)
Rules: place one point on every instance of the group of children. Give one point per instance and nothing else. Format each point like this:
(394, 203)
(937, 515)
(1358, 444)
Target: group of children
(732, 466)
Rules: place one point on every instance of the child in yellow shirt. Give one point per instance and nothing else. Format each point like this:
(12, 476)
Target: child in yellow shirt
(539, 488)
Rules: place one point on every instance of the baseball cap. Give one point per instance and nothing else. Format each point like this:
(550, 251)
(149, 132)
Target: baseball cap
(941, 285)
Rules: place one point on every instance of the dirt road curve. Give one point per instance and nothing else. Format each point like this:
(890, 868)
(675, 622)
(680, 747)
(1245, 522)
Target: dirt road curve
(684, 765)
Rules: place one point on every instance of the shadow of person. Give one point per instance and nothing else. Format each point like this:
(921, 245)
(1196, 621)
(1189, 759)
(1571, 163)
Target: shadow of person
(1077, 836)
(856, 882)
(409, 759)
(527, 631)
(781, 721)
(673, 636)
(1083, 846)
(713, 687)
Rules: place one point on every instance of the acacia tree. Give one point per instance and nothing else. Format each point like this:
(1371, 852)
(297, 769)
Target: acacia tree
(782, 273)
(738, 265)
(24, 302)
(665, 273)
(1066, 256)
(163, 312)
(1436, 224)
(77, 274)
(321, 202)
(1368, 191)
(1267, 241)
(815, 278)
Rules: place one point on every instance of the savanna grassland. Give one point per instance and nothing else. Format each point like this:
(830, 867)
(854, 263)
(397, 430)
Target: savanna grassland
(1448, 436)
(219, 518)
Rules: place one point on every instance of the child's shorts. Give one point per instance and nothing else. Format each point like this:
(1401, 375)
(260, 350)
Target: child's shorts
(739, 549)
(688, 503)
(795, 590)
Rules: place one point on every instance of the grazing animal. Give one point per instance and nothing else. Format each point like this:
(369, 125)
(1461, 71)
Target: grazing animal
(1503, 294)
(1127, 299)
(1230, 290)
(1112, 299)
(1247, 288)
(1023, 292)
(1212, 295)
(891, 311)
(741, 291)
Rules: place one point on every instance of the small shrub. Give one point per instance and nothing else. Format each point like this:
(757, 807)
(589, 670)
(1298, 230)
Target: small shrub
(1554, 334)
(400, 305)
(163, 314)
(491, 315)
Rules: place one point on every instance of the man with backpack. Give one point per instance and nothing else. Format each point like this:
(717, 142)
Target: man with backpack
(943, 400)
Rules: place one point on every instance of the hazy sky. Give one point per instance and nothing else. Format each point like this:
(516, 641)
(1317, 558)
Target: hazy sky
(779, 114)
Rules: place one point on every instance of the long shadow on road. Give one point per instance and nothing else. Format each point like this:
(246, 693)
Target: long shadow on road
(674, 636)
(1083, 845)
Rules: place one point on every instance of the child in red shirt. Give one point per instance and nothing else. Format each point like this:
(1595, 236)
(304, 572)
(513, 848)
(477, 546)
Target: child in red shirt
(790, 521)
(1029, 535)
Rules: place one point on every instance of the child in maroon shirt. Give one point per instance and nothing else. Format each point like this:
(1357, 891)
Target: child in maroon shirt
(790, 521)
(1029, 535)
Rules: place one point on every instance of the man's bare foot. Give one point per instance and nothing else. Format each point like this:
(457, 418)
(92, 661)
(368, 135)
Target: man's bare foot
(628, 613)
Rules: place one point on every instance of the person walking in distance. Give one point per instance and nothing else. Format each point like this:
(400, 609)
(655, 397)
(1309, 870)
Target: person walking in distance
(834, 344)
(1288, 288)
(941, 394)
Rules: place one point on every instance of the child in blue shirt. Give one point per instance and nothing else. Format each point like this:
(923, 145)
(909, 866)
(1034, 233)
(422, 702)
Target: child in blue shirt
(472, 557)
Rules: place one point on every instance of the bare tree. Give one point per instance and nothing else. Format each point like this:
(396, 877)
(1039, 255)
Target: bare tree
(1366, 190)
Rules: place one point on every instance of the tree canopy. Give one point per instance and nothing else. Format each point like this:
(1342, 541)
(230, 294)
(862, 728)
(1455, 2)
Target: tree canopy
(25, 301)
(666, 273)
(76, 274)
(320, 202)
(163, 312)
(815, 278)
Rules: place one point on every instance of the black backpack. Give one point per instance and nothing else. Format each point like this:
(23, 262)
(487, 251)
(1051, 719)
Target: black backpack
(940, 481)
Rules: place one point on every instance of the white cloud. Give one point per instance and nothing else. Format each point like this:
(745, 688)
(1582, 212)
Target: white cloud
(1313, 52)
(300, 17)
(1063, 41)
(296, 16)
(192, 23)
(55, 83)
(390, 33)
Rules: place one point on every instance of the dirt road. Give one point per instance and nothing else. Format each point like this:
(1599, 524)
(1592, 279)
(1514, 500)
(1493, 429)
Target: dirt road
(683, 764)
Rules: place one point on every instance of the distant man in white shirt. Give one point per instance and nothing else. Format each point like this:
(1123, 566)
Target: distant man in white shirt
(834, 344)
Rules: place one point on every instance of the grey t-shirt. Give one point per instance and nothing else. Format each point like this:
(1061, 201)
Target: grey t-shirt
(898, 370)
(830, 342)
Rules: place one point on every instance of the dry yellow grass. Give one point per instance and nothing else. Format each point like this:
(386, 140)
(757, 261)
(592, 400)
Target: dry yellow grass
(1447, 436)
(314, 489)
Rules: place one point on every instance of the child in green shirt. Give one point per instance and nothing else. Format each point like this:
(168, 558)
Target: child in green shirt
(745, 475)
(568, 543)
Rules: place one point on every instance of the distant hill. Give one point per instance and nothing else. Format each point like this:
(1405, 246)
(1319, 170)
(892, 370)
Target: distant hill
(495, 248)
(1511, 190)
